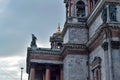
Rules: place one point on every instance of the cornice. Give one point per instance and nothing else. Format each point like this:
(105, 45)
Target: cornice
(113, 1)
(45, 51)
(73, 47)
(72, 25)
(46, 61)
(101, 29)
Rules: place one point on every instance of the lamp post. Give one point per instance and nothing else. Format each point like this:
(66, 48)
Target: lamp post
(21, 72)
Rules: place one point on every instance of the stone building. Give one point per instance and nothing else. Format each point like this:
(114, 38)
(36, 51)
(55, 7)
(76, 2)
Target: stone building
(88, 47)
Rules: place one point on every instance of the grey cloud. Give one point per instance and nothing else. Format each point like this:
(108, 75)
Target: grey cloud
(24, 17)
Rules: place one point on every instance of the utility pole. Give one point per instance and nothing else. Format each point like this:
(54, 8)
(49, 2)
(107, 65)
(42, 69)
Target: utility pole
(21, 72)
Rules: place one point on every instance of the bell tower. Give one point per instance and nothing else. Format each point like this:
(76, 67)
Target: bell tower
(75, 30)
(75, 37)
(76, 10)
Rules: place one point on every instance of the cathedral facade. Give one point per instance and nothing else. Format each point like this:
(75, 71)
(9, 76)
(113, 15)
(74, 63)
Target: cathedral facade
(88, 47)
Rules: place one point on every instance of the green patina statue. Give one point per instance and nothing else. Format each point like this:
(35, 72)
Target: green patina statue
(104, 15)
(112, 12)
(33, 42)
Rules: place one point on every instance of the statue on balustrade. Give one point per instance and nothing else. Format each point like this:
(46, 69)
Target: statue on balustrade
(33, 42)
(104, 15)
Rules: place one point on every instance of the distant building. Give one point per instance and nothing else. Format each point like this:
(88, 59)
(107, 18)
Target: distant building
(88, 48)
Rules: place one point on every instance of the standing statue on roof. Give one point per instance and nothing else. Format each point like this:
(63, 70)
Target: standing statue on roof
(113, 12)
(104, 15)
(33, 42)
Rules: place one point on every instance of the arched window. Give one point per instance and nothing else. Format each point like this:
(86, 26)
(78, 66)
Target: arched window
(59, 45)
(96, 68)
(80, 9)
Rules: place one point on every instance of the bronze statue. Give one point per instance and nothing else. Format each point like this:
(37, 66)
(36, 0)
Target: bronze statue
(112, 12)
(104, 15)
(33, 42)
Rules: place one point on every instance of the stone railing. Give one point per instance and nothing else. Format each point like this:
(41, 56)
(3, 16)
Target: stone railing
(44, 51)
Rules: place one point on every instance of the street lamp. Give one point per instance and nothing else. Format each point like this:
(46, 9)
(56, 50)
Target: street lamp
(21, 72)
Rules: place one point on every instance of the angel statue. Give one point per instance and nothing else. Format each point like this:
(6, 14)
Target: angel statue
(33, 42)
(113, 12)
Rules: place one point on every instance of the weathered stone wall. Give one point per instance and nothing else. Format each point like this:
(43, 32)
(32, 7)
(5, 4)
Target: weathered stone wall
(98, 52)
(118, 14)
(75, 67)
(76, 36)
(116, 64)
(95, 25)
(66, 37)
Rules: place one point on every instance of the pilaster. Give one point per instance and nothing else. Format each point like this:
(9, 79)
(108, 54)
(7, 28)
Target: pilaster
(32, 71)
(47, 72)
(111, 50)
(61, 73)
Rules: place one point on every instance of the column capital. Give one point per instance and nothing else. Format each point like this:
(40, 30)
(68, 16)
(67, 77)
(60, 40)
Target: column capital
(115, 44)
(105, 46)
(33, 65)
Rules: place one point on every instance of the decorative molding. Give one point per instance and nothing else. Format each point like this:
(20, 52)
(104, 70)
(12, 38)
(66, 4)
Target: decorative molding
(105, 46)
(46, 57)
(115, 44)
(74, 49)
(75, 46)
(117, 2)
(44, 51)
(46, 61)
(96, 62)
(73, 25)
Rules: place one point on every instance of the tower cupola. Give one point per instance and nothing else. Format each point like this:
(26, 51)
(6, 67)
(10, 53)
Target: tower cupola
(76, 11)
(56, 39)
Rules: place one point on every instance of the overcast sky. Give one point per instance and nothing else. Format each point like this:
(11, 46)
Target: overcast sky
(18, 20)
